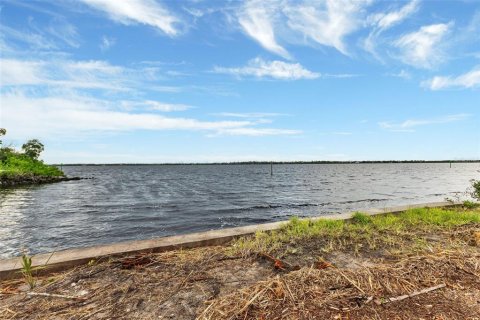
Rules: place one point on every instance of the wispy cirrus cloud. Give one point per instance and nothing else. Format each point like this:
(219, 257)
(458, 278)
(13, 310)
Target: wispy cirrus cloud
(156, 105)
(107, 43)
(63, 31)
(424, 48)
(147, 12)
(401, 74)
(410, 124)
(94, 74)
(249, 114)
(52, 36)
(325, 23)
(382, 21)
(385, 20)
(34, 40)
(257, 19)
(468, 80)
(328, 22)
(276, 69)
(70, 114)
(256, 132)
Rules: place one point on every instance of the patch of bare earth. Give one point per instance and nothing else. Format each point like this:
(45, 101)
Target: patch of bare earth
(440, 281)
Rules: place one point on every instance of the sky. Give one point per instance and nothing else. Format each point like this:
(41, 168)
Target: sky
(154, 81)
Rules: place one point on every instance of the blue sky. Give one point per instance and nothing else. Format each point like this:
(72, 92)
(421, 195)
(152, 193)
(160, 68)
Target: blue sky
(150, 81)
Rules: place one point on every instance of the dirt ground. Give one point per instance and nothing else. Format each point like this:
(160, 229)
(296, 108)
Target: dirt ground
(299, 281)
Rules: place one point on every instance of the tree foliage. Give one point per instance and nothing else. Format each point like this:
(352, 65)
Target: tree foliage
(3, 132)
(33, 148)
(476, 189)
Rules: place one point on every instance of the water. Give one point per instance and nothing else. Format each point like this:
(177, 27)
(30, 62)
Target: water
(141, 202)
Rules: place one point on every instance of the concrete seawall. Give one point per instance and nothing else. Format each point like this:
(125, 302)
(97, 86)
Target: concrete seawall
(60, 260)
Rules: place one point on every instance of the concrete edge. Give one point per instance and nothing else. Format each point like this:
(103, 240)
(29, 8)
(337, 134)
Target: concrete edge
(61, 260)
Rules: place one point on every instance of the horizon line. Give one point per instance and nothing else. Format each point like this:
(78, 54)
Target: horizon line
(268, 162)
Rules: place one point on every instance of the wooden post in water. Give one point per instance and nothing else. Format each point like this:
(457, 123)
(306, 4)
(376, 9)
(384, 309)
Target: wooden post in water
(450, 164)
(271, 168)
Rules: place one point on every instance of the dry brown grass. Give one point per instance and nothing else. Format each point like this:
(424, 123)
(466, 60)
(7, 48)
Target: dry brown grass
(362, 293)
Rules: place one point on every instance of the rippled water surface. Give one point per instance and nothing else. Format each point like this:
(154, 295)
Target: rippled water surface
(139, 202)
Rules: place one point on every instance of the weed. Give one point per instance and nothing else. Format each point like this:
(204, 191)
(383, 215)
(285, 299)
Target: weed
(361, 218)
(469, 204)
(27, 271)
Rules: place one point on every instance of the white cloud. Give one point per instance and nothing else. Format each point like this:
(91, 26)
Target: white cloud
(340, 75)
(401, 74)
(249, 114)
(424, 48)
(43, 38)
(64, 115)
(409, 125)
(64, 31)
(34, 40)
(470, 79)
(257, 20)
(326, 22)
(18, 72)
(156, 105)
(148, 12)
(270, 69)
(385, 20)
(91, 74)
(255, 132)
(107, 43)
(25, 115)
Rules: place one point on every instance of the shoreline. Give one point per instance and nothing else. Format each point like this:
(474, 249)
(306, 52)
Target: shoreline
(61, 260)
(30, 180)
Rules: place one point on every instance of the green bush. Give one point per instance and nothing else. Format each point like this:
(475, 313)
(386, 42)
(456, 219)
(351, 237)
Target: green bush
(469, 204)
(17, 164)
(476, 189)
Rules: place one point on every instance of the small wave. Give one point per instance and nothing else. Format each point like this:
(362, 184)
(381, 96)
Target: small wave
(363, 200)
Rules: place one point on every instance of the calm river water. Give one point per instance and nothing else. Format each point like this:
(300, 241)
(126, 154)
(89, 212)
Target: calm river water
(140, 202)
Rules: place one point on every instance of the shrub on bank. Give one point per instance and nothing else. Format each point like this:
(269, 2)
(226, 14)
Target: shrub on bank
(15, 164)
(18, 164)
(476, 189)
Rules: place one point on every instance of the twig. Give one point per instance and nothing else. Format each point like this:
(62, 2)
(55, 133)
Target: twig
(50, 295)
(245, 307)
(54, 295)
(416, 293)
(368, 300)
(351, 282)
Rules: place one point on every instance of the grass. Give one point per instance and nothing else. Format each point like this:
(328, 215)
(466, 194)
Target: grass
(27, 271)
(374, 231)
(18, 165)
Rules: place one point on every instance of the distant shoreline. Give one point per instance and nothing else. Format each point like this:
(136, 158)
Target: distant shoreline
(264, 162)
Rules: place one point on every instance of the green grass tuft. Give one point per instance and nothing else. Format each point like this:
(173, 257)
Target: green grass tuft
(386, 229)
(361, 218)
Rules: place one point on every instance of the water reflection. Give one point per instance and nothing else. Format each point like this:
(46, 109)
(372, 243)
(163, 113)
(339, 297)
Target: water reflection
(14, 204)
